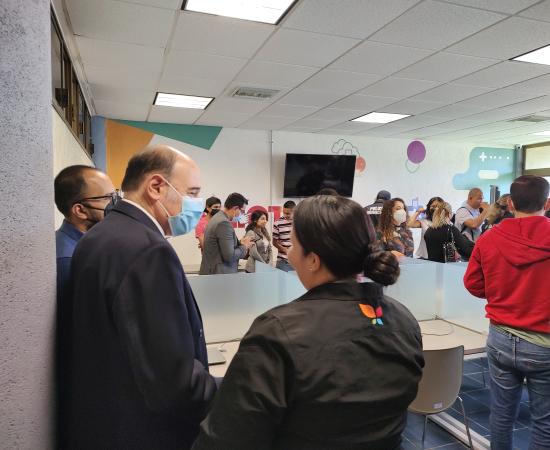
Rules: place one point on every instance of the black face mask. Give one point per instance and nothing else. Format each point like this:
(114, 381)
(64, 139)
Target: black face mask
(213, 212)
(109, 206)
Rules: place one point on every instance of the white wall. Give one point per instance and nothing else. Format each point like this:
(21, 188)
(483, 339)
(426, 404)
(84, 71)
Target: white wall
(67, 151)
(385, 166)
(252, 162)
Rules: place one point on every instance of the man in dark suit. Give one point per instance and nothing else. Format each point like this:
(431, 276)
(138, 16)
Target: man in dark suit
(137, 366)
(222, 250)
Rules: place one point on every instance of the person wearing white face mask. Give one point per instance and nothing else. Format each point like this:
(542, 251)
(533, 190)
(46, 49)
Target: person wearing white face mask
(393, 232)
(222, 250)
(136, 367)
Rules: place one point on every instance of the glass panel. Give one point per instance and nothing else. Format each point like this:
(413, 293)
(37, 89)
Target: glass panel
(57, 67)
(459, 306)
(230, 303)
(537, 157)
(416, 287)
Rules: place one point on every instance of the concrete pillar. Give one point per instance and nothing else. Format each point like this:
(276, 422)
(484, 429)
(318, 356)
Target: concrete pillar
(27, 243)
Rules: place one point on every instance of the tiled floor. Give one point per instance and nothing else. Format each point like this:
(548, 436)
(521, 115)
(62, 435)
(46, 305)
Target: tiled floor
(475, 395)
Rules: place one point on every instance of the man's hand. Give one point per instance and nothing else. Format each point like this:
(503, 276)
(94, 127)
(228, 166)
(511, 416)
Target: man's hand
(484, 206)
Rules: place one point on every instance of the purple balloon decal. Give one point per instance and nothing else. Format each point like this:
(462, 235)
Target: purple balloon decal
(416, 152)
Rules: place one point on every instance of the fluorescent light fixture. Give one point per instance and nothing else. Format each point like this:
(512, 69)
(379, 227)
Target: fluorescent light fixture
(181, 101)
(376, 117)
(267, 11)
(540, 56)
(541, 133)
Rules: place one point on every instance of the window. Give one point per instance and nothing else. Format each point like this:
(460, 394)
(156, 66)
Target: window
(67, 95)
(536, 159)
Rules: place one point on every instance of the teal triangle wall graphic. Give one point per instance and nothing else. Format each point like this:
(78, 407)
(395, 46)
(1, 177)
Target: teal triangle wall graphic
(199, 135)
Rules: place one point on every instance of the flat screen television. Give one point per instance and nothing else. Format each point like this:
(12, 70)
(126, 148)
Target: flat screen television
(305, 175)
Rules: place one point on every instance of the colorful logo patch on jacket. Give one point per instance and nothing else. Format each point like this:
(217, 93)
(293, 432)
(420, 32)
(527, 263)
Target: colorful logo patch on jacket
(374, 314)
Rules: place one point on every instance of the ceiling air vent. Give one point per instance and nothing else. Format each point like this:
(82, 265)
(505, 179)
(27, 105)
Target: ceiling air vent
(254, 93)
(532, 119)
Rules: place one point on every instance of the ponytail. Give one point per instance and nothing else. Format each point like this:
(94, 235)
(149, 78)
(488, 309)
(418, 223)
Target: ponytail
(381, 266)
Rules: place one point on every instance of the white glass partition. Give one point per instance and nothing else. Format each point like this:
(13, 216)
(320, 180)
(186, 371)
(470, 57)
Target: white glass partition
(230, 303)
(418, 288)
(459, 306)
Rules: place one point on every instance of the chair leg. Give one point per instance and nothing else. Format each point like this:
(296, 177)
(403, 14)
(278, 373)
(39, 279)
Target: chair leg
(466, 423)
(424, 430)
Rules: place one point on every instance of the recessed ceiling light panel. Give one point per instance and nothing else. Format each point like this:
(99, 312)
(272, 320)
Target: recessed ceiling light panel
(267, 11)
(376, 117)
(540, 56)
(181, 101)
(542, 133)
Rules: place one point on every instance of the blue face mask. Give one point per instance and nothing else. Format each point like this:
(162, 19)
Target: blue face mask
(191, 212)
(241, 218)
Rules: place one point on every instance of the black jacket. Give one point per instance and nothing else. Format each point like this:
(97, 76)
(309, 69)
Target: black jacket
(436, 237)
(136, 366)
(317, 373)
(374, 211)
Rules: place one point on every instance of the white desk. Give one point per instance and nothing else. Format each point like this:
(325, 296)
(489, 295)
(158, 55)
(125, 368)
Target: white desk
(436, 334)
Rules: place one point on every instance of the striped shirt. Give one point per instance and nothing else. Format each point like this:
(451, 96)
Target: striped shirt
(281, 233)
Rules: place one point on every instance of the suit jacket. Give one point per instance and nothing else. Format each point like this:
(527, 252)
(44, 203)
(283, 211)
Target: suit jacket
(136, 367)
(222, 250)
(335, 369)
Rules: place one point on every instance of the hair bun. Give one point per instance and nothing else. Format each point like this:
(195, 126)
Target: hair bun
(382, 267)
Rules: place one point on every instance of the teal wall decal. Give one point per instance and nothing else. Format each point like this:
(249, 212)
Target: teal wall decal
(488, 166)
(199, 135)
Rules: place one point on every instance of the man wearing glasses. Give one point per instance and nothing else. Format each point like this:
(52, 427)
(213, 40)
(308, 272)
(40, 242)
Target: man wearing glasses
(81, 195)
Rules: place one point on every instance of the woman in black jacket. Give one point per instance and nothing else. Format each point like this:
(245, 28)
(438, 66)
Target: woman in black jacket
(443, 233)
(334, 369)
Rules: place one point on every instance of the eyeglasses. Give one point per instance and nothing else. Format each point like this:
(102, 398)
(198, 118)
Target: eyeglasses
(112, 196)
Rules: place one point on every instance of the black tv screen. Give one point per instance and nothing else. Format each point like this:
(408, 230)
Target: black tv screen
(305, 175)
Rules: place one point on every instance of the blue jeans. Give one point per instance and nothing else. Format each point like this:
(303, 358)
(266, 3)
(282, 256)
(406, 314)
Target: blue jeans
(283, 264)
(511, 360)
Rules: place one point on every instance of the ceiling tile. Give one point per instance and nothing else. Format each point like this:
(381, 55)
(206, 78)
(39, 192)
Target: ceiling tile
(298, 129)
(239, 105)
(445, 67)
(314, 124)
(377, 58)
(201, 86)
(122, 77)
(411, 107)
(223, 119)
(121, 21)
(507, 39)
(337, 131)
(539, 85)
(191, 64)
(122, 95)
(455, 111)
(434, 25)
(451, 93)
(307, 97)
(504, 6)
(166, 4)
(539, 12)
(123, 111)
(398, 87)
(504, 74)
(365, 103)
(269, 74)
(166, 114)
(219, 35)
(118, 56)
(340, 81)
(304, 48)
(496, 99)
(279, 109)
(265, 122)
(351, 18)
(334, 114)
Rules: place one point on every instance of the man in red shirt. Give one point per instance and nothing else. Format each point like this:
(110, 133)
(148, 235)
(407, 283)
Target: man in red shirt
(510, 267)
